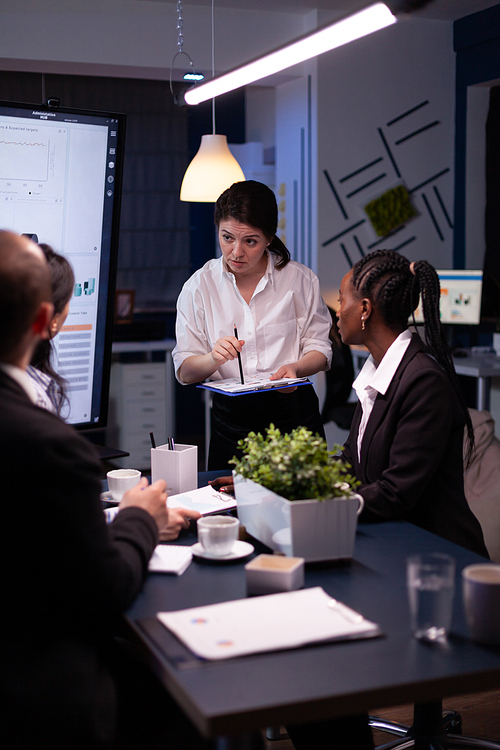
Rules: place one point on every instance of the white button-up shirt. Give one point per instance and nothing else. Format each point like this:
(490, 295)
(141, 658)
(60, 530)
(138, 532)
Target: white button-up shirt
(286, 318)
(373, 380)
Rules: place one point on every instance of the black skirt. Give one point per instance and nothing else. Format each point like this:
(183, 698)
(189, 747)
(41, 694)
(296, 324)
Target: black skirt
(233, 417)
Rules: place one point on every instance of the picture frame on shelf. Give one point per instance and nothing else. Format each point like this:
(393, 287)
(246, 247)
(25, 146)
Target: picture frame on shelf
(124, 305)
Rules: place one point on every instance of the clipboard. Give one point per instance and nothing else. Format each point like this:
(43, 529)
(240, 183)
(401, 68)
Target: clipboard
(232, 386)
(292, 619)
(205, 500)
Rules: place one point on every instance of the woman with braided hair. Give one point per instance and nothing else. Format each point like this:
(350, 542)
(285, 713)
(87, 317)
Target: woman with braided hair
(406, 438)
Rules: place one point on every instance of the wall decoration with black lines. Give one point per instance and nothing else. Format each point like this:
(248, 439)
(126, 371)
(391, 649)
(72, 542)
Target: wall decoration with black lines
(384, 173)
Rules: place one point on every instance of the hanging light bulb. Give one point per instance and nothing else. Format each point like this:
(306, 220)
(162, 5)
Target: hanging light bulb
(214, 168)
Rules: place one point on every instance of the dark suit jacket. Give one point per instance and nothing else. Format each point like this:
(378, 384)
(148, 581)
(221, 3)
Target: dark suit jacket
(411, 464)
(65, 576)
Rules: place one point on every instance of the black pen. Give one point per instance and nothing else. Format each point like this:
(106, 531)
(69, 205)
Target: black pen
(239, 357)
(153, 443)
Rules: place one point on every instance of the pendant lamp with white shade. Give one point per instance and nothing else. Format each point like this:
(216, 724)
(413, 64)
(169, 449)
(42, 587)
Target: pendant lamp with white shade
(214, 168)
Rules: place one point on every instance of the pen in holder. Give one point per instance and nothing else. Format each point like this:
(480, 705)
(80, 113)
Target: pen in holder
(179, 467)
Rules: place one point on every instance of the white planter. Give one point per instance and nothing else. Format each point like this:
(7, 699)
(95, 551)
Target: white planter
(313, 529)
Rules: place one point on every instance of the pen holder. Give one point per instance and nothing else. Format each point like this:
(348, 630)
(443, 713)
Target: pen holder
(179, 468)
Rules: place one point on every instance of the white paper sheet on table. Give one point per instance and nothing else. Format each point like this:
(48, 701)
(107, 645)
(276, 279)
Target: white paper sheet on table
(286, 620)
(170, 558)
(205, 500)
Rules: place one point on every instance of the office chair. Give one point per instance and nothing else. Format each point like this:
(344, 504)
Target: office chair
(432, 729)
(339, 379)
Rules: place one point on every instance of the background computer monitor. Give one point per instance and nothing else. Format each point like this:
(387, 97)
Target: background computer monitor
(60, 183)
(460, 301)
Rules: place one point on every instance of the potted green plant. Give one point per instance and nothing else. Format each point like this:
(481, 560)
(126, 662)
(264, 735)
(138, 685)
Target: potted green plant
(295, 495)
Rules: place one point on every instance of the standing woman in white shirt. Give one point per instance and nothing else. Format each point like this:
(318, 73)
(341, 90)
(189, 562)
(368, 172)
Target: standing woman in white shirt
(275, 304)
(406, 438)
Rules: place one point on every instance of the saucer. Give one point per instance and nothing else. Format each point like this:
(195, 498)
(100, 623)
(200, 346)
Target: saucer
(107, 497)
(240, 549)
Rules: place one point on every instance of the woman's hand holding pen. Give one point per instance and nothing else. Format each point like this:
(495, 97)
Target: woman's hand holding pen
(226, 349)
(201, 366)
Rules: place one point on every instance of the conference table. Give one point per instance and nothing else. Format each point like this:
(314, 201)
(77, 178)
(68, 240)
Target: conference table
(237, 696)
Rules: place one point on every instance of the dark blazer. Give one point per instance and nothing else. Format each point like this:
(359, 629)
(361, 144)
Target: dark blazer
(65, 577)
(411, 464)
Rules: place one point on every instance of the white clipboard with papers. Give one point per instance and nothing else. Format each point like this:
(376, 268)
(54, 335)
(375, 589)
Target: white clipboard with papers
(289, 620)
(205, 500)
(234, 386)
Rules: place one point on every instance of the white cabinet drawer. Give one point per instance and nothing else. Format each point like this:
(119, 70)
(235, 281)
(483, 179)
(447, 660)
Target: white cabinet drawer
(141, 401)
(141, 458)
(144, 391)
(137, 410)
(138, 459)
(146, 373)
(141, 442)
(139, 447)
(147, 423)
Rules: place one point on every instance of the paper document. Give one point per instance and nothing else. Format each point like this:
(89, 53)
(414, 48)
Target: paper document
(287, 620)
(170, 558)
(234, 387)
(205, 500)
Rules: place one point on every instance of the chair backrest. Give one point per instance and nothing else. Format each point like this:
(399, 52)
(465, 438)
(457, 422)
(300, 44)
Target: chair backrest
(482, 480)
(339, 377)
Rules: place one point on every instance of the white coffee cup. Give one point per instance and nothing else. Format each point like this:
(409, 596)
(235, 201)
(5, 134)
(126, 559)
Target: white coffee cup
(481, 592)
(121, 480)
(218, 534)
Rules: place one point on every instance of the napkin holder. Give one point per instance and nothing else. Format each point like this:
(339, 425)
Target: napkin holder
(270, 574)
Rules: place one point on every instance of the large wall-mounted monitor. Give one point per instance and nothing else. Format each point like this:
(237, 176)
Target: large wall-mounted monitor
(460, 301)
(60, 182)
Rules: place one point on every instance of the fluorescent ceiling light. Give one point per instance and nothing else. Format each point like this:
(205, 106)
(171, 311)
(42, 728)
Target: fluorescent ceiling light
(366, 21)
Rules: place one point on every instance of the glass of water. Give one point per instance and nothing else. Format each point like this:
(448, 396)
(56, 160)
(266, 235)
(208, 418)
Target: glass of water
(431, 585)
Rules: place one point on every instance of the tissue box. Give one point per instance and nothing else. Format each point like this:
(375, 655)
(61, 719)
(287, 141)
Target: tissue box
(179, 468)
(269, 574)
